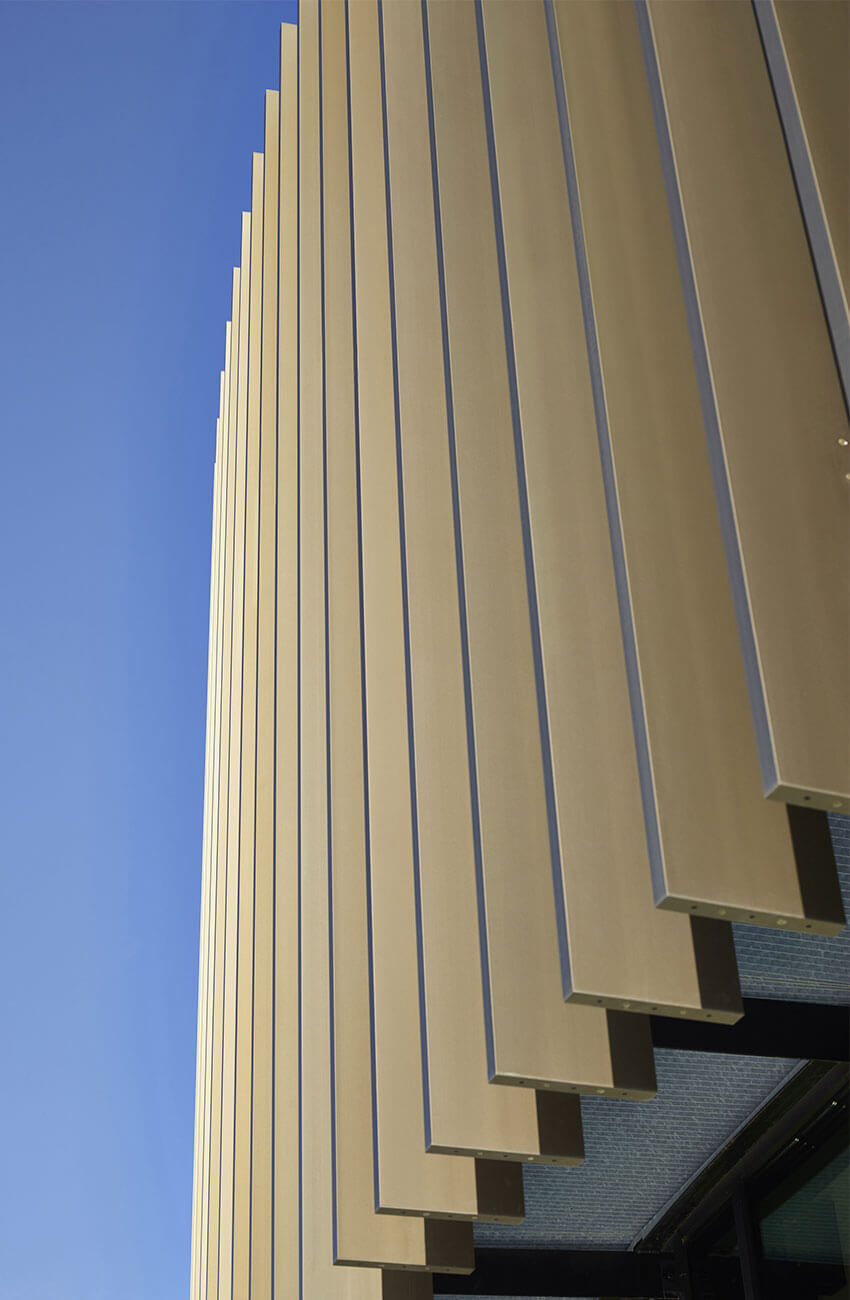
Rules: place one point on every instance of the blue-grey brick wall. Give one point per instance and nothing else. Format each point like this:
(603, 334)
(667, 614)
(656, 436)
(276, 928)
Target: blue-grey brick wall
(639, 1154)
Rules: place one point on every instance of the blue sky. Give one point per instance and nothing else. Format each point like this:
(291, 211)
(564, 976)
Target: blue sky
(126, 133)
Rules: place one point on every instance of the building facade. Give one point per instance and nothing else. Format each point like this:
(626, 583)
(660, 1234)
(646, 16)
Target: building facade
(528, 668)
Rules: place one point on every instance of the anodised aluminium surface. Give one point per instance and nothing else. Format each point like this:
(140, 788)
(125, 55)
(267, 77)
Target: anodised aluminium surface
(407, 1178)
(286, 1173)
(806, 46)
(203, 1141)
(210, 1260)
(360, 1235)
(616, 948)
(244, 1020)
(771, 396)
(262, 1172)
(232, 759)
(462, 1109)
(816, 37)
(694, 735)
(533, 1037)
(319, 1276)
(464, 1113)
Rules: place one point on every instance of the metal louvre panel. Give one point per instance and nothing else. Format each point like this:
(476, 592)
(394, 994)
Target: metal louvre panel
(247, 740)
(533, 1038)
(213, 916)
(319, 1279)
(209, 1263)
(407, 1178)
(816, 40)
(807, 52)
(207, 924)
(463, 1112)
(200, 1070)
(205, 928)
(212, 859)
(263, 932)
(771, 396)
(696, 745)
(616, 948)
(360, 1235)
(313, 939)
(234, 765)
(286, 1261)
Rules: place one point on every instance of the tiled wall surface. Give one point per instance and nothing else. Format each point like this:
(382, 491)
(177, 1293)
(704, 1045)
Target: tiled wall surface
(639, 1154)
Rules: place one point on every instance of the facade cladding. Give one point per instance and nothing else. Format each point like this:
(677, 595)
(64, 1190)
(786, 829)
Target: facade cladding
(528, 674)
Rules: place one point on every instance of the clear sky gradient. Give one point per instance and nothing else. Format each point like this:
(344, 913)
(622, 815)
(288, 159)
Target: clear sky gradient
(126, 133)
